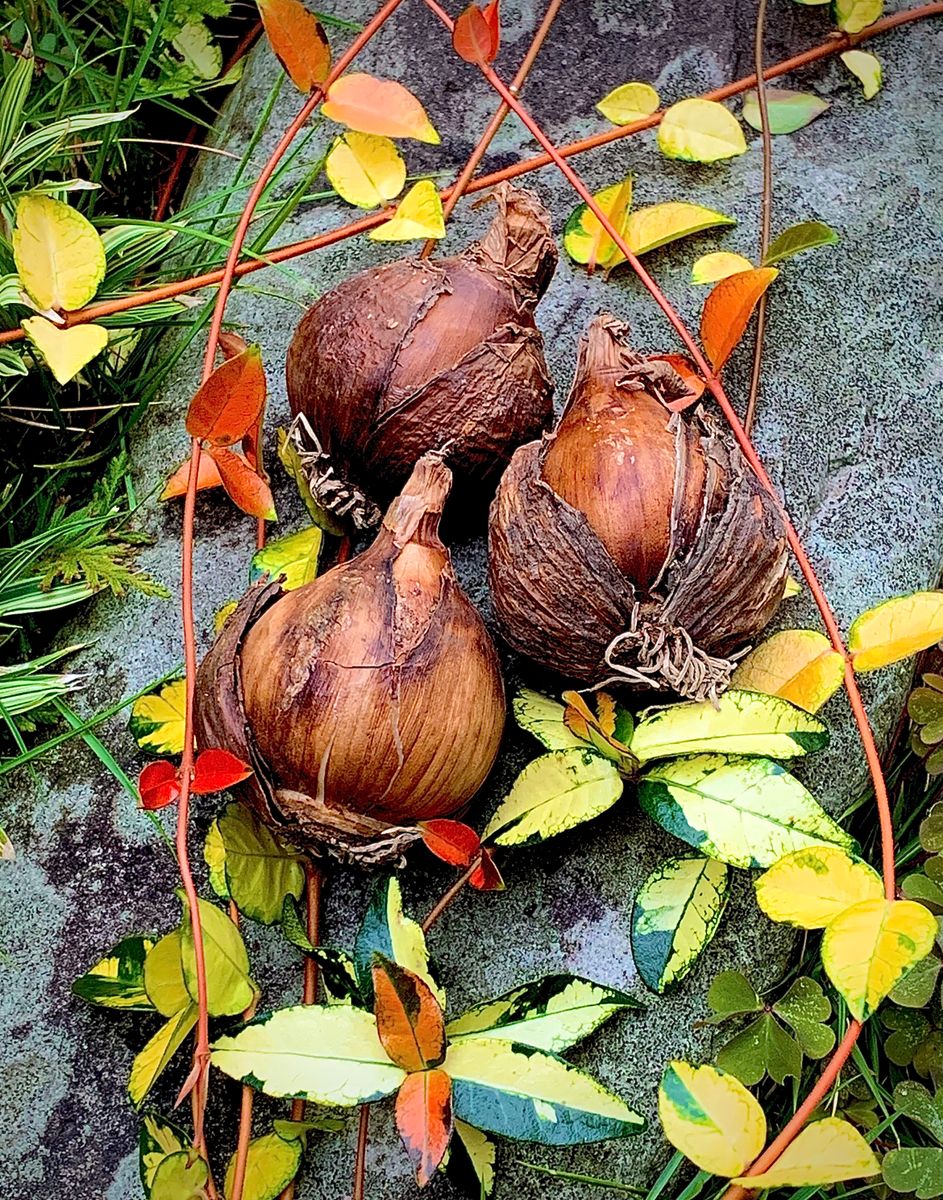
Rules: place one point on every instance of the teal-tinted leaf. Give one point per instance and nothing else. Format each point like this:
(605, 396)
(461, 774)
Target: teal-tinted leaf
(732, 995)
(117, 981)
(676, 913)
(261, 869)
(553, 1013)
(804, 236)
(555, 792)
(543, 717)
(470, 1162)
(747, 812)
(806, 1008)
(788, 111)
(336, 970)
(763, 1047)
(916, 1169)
(157, 1138)
(909, 1028)
(388, 931)
(918, 986)
(747, 723)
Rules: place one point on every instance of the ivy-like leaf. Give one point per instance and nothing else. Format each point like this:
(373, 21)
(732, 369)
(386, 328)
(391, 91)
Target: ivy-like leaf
(229, 402)
(797, 664)
(788, 110)
(292, 559)
(380, 106)
(700, 131)
(180, 1176)
(157, 1138)
(470, 1162)
(810, 887)
(156, 721)
(272, 1163)
(727, 311)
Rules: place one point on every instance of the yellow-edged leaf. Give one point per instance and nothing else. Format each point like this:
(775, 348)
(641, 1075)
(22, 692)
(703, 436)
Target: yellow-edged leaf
(827, 1151)
(418, 215)
(867, 949)
(157, 719)
(711, 1118)
(58, 254)
(867, 68)
(854, 15)
(365, 169)
(711, 268)
(65, 351)
(811, 887)
(224, 612)
(380, 106)
(584, 239)
(896, 629)
(728, 309)
(700, 131)
(797, 664)
(628, 103)
(149, 1062)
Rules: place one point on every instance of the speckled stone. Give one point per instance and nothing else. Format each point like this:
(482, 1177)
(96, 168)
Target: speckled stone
(850, 425)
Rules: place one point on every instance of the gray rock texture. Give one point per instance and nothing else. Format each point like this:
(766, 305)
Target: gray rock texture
(850, 424)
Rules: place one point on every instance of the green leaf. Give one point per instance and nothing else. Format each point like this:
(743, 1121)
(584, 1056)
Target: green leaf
(745, 723)
(804, 236)
(229, 988)
(676, 913)
(555, 792)
(854, 15)
(747, 812)
(156, 1140)
(163, 975)
(117, 981)
(918, 986)
(470, 1162)
(553, 1013)
(867, 68)
(293, 559)
(149, 1062)
(909, 1028)
(543, 717)
(919, 1105)
(806, 1008)
(931, 830)
(271, 1164)
(336, 970)
(388, 931)
(261, 869)
(917, 886)
(788, 111)
(180, 1176)
(214, 855)
(328, 1055)
(763, 1047)
(527, 1094)
(917, 1169)
(732, 995)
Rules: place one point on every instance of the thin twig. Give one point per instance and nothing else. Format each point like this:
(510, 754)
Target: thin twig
(448, 896)
(766, 209)
(360, 1163)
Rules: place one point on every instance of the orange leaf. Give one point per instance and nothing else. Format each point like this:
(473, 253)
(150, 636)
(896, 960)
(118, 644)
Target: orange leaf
(207, 477)
(380, 106)
(217, 770)
(451, 841)
(230, 401)
(244, 487)
(409, 1018)
(424, 1120)
(474, 37)
(728, 309)
(487, 877)
(493, 17)
(299, 42)
(689, 374)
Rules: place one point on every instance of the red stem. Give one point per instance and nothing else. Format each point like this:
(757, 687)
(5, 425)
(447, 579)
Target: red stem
(360, 1163)
(246, 1105)
(448, 896)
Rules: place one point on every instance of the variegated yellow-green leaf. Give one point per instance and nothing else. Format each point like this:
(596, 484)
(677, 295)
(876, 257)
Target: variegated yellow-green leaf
(418, 215)
(854, 15)
(229, 988)
(260, 868)
(163, 975)
(797, 664)
(65, 351)
(117, 981)
(711, 1118)
(523, 1093)
(58, 253)
(543, 717)
(365, 169)
(787, 110)
(628, 103)
(747, 812)
(272, 1163)
(896, 629)
(388, 931)
(328, 1055)
(156, 721)
(676, 913)
(214, 855)
(738, 723)
(157, 1139)
(553, 1013)
(867, 68)
(868, 948)
(583, 236)
(810, 887)
(720, 264)
(827, 1151)
(337, 973)
(293, 559)
(700, 131)
(149, 1062)
(656, 225)
(180, 1176)
(605, 725)
(471, 1159)
(555, 792)
(195, 45)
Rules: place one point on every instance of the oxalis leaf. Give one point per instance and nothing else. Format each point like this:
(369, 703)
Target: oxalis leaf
(747, 812)
(916, 1169)
(676, 913)
(764, 1047)
(920, 1105)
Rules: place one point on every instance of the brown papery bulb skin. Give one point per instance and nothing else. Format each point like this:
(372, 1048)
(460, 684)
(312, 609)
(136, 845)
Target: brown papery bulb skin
(377, 687)
(422, 355)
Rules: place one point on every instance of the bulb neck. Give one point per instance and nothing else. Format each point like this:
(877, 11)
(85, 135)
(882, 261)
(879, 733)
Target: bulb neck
(519, 243)
(415, 514)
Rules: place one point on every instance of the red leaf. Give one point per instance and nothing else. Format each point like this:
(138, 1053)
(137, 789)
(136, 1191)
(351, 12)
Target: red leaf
(217, 770)
(207, 477)
(409, 1018)
(424, 1120)
(243, 485)
(158, 784)
(476, 36)
(229, 402)
(451, 841)
(299, 42)
(232, 344)
(487, 878)
(493, 17)
(728, 309)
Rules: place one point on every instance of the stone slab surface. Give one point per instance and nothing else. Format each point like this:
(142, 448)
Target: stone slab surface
(851, 426)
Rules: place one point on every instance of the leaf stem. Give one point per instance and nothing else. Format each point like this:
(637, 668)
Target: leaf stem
(360, 1163)
(448, 896)
(766, 210)
(246, 1105)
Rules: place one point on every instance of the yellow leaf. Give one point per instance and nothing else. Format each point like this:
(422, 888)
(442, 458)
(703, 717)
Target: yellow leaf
(700, 131)
(418, 215)
(149, 1062)
(797, 664)
(628, 103)
(58, 254)
(223, 613)
(827, 1151)
(65, 351)
(163, 975)
(867, 949)
(380, 106)
(584, 238)
(365, 169)
(811, 887)
(710, 268)
(658, 224)
(867, 68)
(793, 587)
(156, 721)
(710, 1117)
(895, 630)
(854, 15)
(292, 559)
